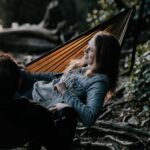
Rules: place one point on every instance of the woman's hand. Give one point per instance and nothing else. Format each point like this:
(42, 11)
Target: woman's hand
(60, 87)
(58, 107)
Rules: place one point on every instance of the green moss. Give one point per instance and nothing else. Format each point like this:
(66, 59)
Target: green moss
(138, 87)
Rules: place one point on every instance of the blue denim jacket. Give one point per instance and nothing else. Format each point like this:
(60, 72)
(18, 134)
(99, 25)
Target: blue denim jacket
(85, 94)
(90, 102)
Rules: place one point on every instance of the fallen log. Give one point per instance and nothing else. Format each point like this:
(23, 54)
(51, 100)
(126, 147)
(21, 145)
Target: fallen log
(28, 39)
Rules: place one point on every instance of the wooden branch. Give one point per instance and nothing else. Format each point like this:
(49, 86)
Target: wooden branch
(124, 127)
(104, 114)
(33, 38)
(31, 31)
(98, 145)
(47, 17)
(125, 143)
(111, 104)
(107, 108)
(122, 134)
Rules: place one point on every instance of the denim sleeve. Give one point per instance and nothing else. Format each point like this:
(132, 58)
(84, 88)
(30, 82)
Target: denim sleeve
(28, 79)
(90, 111)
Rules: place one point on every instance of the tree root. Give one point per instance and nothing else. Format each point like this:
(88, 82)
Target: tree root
(106, 133)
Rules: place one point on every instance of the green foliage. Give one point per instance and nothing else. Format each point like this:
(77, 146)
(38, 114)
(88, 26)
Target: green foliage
(102, 11)
(130, 3)
(142, 48)
(138, 87)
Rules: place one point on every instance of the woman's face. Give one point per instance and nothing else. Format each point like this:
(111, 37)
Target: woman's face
(89, 52)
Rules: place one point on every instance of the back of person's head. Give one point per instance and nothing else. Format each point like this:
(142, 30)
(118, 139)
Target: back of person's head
(107, 56)
(9, 76)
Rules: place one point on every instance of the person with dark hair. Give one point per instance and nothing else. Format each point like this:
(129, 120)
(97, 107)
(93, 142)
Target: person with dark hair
(9, 77)
(22, 121)
(84, 84)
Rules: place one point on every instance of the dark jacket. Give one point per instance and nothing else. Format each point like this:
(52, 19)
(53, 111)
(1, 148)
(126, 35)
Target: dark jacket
(22, 121)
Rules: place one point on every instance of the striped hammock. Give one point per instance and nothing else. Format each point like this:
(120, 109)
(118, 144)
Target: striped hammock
(57, 59)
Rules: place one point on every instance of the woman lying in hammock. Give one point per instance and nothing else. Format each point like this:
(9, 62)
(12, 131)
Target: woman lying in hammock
(80, 88)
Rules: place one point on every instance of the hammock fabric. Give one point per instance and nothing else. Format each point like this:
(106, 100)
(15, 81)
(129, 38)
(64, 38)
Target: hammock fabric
(57, 59)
